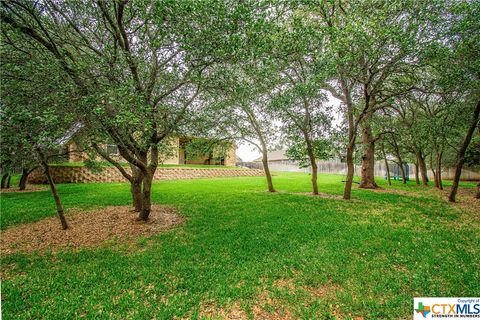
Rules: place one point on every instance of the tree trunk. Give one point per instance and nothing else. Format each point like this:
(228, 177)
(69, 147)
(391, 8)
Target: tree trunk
(347, 192)
(423, 167)
(438, 162)
(477, 195)
(4, 180)
(417, 178)
(402, 171)
(8, 181)
(313, 164)
(268, 175)
(146, 196)
(56, 197)
(386, 166)
(461, 154)
(435, 178)
(22, 185)
(432, 168)
(368, 157)
(314, 177)
(136, 188)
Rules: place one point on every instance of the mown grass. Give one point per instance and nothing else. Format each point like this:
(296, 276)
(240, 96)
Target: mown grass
(365, 258)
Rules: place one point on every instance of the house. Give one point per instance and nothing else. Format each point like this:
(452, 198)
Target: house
(277, 156)
(176, 153)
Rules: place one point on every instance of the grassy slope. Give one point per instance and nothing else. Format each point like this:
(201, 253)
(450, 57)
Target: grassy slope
(371, 256)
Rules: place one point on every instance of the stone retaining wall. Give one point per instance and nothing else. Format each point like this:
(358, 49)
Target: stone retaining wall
(65, 174)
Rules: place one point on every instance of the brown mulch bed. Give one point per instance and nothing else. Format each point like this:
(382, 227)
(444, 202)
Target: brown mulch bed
(86, 229)
(29, 188)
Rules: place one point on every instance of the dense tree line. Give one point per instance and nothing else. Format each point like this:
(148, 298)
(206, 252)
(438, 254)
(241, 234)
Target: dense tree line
(406, 74)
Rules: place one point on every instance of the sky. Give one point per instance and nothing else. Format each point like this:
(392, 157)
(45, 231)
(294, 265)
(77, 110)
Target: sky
(248, 152)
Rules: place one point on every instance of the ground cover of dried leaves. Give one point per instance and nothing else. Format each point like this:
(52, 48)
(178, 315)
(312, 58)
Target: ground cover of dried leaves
(86, 229)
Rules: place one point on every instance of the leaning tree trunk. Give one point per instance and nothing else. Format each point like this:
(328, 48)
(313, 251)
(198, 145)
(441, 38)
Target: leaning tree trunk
(268, 175)
(461, 154)
(56, 197)
(368, 158)
(22, 185)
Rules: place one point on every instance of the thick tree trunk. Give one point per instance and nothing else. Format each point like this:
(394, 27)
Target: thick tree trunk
(136, 188)
(8, 181)
(268, 175)
(347, 192)
(461, 153)
(417, 178)
(4, 180)
(136, 191)
(56, 197)
(423, 168)
(368, 157)
(22, 185)
(146, 196)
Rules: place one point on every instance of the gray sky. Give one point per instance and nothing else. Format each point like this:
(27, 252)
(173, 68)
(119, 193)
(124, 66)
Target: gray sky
(249, 152)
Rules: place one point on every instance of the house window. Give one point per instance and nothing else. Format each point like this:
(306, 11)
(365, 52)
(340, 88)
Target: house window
(112, 149)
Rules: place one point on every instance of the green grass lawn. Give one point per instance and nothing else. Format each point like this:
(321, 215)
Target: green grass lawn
(313, 257)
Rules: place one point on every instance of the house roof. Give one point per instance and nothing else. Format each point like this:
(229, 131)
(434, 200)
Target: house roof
(276, 155)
